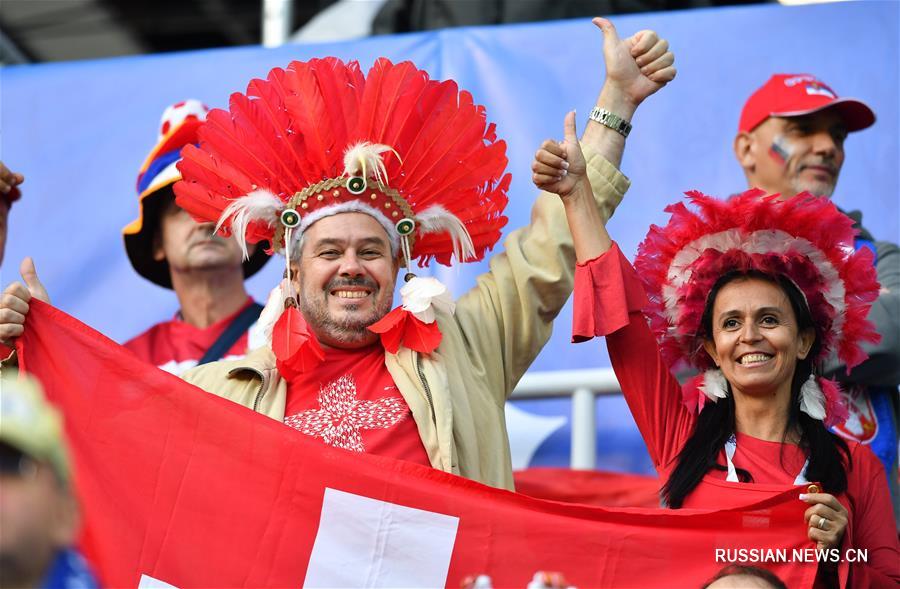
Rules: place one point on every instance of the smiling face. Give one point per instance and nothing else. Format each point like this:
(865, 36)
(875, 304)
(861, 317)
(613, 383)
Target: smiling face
(189, 246)
(756, 340)
(794, 154)
(345, 278)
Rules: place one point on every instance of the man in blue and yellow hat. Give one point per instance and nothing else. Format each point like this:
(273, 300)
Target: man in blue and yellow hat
(216, 318)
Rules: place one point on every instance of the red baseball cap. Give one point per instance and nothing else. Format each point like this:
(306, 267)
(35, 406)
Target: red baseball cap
(792, 95)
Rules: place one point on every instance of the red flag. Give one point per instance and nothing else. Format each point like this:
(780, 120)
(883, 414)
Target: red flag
(591, 487)
(184, 487)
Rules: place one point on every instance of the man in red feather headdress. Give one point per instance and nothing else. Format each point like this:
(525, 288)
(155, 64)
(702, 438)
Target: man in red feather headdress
(791, 139)
(351, 176)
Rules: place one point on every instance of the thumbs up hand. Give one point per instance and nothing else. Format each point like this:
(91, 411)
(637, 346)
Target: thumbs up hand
(14, 302)
(558, 167)
(637, 66)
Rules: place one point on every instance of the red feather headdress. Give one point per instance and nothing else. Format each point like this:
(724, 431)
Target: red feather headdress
(319, 133)
(804, 238)
(319, 138)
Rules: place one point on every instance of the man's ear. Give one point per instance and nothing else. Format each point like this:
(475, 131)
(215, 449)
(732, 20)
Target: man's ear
(154, 213)
(295, 275)
(159, 254)
(744, 152)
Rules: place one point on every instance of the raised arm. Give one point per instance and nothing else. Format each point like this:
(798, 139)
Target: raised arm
(608, 294)
(636, 68)
(508, 316)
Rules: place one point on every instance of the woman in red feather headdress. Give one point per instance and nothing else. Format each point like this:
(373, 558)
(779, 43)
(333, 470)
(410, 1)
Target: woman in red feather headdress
(754, 292)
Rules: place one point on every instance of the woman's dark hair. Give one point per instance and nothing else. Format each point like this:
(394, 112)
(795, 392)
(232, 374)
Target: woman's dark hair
(829, 455)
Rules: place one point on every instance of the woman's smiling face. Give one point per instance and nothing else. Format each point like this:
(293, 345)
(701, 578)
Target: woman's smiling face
(755, 337)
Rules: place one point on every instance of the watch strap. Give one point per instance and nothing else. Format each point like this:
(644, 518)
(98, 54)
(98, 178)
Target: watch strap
(613, 121)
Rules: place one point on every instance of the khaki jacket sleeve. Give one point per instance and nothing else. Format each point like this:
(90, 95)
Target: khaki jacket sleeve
(507, 317)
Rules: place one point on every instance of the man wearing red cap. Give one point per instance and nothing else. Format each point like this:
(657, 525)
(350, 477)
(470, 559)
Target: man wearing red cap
(171, 250)
(790, 140)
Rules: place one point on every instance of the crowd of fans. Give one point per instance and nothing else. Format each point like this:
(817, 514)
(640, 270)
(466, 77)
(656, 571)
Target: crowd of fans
(764, 338)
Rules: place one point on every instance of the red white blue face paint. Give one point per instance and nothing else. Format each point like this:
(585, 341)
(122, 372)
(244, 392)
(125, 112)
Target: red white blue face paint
(781, 150)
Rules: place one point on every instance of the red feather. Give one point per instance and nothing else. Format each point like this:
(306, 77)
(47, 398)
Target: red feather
(295, 347)
(307, 110)
(271, 96)
(250, 117)
(400, 327)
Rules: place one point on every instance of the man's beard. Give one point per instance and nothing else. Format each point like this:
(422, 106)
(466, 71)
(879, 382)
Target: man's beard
(351, 329)
(815, 187)
(825, 189)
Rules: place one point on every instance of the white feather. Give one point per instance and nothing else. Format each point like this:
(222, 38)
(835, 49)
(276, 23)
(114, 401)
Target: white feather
(364, 159)
(812, 400)
(259, 205)
(714, 384)
(421, 296)
(437, 219)
(272, 311)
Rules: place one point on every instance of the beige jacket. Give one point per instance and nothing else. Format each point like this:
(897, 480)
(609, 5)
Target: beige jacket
(457, 394)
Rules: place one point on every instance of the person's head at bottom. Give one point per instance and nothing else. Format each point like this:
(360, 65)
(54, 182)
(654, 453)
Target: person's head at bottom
(735, 576)
(38, 514)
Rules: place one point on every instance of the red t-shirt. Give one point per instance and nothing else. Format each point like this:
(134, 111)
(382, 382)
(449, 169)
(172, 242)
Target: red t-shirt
(176, 346)
(608, 301)
(350, 401)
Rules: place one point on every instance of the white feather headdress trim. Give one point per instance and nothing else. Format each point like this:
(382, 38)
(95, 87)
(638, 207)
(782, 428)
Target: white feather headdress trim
(350, 206)
(774, 241)
(259, 205)
(437, 219)
(714, 385)
(364, 159)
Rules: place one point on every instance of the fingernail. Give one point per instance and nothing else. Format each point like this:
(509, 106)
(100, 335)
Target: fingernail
(803, 496)
(565, 173)
(565, 165)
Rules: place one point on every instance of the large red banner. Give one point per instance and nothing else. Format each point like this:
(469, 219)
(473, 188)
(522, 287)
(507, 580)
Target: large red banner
(180, 487)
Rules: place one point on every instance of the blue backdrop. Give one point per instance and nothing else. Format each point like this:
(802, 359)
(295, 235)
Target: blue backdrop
(80, 130)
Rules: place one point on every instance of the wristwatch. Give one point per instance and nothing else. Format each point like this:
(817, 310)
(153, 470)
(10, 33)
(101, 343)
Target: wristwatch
(608, 119)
